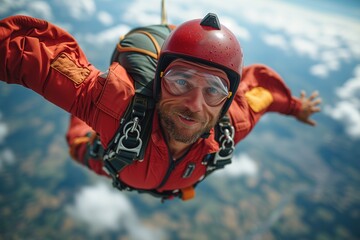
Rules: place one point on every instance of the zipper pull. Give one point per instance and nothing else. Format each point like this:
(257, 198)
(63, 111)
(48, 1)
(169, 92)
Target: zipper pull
(189, 170)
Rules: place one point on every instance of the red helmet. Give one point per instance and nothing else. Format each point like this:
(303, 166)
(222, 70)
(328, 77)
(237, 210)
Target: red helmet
(204, 41)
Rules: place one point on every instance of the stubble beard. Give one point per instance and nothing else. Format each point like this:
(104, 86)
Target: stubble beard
(178, 134)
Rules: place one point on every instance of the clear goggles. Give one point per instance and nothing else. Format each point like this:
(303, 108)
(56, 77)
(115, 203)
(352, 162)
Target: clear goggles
(180, 81)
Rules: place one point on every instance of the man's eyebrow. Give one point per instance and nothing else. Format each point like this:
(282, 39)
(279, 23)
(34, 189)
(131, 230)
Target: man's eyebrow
(217, 84)
(182, 73)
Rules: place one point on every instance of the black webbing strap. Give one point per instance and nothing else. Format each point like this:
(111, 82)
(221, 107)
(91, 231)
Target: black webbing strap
(130, 141)
(224, 134)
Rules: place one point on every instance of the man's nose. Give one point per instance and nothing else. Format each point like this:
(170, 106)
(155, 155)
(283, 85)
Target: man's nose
(195, 100)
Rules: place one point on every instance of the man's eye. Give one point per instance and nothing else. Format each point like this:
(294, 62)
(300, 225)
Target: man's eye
(212, 91)
(181, 82)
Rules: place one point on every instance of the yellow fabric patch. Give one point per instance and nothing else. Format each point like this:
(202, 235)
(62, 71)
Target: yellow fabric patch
(66, 66)
(258, 98)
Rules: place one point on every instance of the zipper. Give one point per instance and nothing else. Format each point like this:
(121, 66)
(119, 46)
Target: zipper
(173, 164)
(168, 172)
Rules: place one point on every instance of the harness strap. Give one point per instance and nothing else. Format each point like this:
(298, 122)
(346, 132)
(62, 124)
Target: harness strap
(116, 160)
(224, 134)
(130, 141)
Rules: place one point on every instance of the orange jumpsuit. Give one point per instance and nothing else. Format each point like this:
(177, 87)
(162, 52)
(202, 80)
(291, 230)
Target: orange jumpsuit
(48, 60)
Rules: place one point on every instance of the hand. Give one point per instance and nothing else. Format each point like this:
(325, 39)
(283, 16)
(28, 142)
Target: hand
(309, 106)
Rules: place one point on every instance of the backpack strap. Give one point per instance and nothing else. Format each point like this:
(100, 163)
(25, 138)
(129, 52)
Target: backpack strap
(155, 55)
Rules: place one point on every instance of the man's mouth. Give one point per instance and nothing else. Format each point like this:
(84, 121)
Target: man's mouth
(186, 119)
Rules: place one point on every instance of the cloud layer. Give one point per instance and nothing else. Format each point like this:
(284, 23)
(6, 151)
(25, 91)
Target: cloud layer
(242, 165)
(347, 109)
(6, 155)
(103, 209)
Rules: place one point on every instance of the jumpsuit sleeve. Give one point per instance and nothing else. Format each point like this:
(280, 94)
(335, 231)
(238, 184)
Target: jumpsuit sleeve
(37, 55)
(82, 141)
(48, 60)
(261, 90)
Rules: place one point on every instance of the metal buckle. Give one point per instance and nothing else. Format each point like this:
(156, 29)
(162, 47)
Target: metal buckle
(131, 127)
(136, 149)
(227, 142)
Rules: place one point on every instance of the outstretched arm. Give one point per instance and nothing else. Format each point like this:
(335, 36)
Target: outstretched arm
(309, 106)
(262, 90)
(46, 59)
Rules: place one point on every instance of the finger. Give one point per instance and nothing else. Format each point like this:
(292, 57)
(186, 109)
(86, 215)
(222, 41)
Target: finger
(315, 109)
(302, 94)
(310, 122)
(317, 102)
(314, 95)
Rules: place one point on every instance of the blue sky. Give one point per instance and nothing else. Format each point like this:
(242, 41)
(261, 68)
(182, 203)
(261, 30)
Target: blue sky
(326, 33)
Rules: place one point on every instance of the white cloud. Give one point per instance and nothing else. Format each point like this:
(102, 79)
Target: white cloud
(79, 9)
(3, 130)
(347, 113)
(305, 47)
(276, 40)
(6, 157)
(7, 5)
(103, 208)
(241, 165)
(239, 31)
(347, 110)
(150, 13)
(105, 18)
(313, 34)
(40, 9)
(319, 70)
(105, 37)
(351, 89)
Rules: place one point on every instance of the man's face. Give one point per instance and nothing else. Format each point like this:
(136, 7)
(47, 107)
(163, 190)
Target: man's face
(192, 96)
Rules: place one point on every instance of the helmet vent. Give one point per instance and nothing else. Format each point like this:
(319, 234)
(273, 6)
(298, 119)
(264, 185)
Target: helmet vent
(211, 20)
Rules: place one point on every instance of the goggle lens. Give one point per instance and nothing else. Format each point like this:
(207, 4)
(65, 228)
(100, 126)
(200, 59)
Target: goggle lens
(181, 81)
